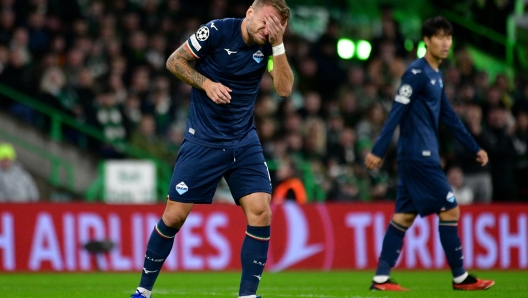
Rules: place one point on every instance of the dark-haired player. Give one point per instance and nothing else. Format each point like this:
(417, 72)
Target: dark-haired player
(423, 189)
(231, 56)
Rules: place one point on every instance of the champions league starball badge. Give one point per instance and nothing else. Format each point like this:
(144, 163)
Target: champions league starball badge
(202, 33)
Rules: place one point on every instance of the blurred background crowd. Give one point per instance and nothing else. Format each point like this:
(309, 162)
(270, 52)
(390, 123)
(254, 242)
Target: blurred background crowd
(103, 63)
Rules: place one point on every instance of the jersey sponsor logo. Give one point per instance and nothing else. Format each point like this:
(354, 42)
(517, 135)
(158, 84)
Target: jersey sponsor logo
(450, 197)
(415, 70)
(258, 56)
(202, 33)
(195, 42)
(191, 130)
(426, 153)
(181, 188)
(213, 26)
(229, 52)
(433, 82)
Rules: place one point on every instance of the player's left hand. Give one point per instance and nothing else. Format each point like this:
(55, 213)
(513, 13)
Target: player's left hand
(482, 157)
(372, 161)
(275, 29)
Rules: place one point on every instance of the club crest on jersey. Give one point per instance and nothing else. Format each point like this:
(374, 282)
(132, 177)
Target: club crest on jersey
(441, 83)
(450, 197)
(181, 188)
(202, 33)
(258, 56)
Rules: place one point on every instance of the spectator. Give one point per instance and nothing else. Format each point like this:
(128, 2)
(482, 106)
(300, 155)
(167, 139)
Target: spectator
(146, 139)
(477, 177)
(312, 106)
(349, 109)
(330, 68)
(389, 33)
(16, 184)
(370, 127)
(503, 156)
(7, 25)
(17, 75)
(521, 146)
(344, 152)
(109, 117)
(463, 193)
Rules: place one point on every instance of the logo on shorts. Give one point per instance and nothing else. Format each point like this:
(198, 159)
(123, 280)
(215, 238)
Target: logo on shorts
(258, 56)
(450, 197)
(181, 188)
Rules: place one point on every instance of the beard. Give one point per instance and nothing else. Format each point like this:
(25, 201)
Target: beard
(254, 36)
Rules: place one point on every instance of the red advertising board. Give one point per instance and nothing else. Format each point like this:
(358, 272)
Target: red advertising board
(50, 237)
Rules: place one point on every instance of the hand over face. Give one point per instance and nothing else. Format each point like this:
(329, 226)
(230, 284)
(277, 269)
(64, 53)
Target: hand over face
(275, 29)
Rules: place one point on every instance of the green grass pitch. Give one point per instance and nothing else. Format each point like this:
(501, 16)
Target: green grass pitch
(351, 284)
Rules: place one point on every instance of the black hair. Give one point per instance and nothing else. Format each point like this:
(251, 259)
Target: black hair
(436, 24)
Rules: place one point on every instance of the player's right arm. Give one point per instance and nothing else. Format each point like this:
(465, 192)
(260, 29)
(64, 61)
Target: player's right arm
(180, 63)
(412, 83)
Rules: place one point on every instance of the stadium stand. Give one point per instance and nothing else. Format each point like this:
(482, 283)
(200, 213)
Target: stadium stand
(83, 77)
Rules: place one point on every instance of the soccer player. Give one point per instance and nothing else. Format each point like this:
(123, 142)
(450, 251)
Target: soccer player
(423, 189)
(231, 56)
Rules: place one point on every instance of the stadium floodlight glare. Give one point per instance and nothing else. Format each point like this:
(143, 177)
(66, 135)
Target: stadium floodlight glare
(420, 52)
(363, 49)
(345, 48)
(409, 45)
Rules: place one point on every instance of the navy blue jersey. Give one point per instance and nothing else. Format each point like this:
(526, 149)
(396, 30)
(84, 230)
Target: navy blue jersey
(224, 57)
(419, 105)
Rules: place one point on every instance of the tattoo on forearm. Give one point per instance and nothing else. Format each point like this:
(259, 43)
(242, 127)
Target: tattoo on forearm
(179, 64)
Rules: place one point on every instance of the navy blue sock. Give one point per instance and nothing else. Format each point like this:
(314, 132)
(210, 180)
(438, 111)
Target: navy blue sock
(452, 246)
(391, 248)
(158, 248)
(253, 255)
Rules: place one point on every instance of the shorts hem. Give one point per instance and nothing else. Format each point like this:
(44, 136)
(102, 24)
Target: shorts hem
(237, 200)
(190, 200)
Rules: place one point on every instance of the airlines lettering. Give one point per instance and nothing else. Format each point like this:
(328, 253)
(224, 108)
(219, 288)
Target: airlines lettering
(62, 250)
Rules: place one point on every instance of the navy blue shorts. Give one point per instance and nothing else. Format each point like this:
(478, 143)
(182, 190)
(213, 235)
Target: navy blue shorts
(423, 189)
(199, 169)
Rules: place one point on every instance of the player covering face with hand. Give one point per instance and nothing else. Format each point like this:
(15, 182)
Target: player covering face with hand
(231, 56)
(423, 189)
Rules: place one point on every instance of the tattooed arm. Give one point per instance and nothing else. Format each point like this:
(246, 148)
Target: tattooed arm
(179, 64)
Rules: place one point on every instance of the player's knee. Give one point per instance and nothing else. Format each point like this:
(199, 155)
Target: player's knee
(404, 219)
(260, 217)
(450, 215)
(174, 220)
(176, 213)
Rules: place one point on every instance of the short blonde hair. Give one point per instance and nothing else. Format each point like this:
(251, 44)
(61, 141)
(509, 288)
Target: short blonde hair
(280, 5)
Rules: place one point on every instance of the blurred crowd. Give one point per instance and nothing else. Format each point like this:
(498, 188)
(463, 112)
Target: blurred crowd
(103, 62)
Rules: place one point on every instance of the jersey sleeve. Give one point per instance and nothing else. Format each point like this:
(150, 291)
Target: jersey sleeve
(205, 40)
(409, 90)
(451, 119)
